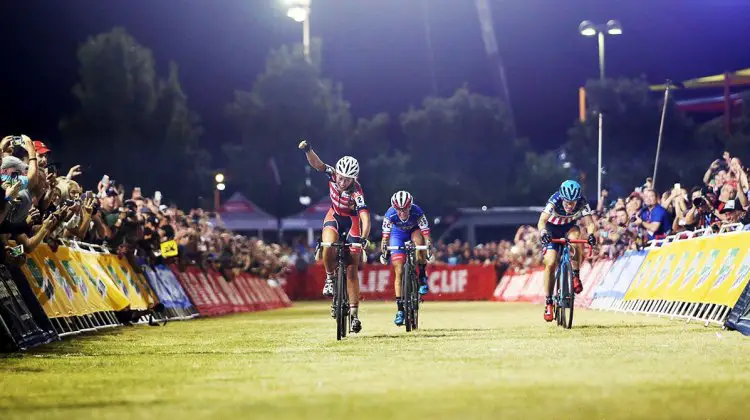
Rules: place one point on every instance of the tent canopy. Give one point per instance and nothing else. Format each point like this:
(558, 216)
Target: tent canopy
(240, 214)
(309, 218)
(736, 78)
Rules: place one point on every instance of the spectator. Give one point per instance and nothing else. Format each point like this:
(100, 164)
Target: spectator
(653, 217)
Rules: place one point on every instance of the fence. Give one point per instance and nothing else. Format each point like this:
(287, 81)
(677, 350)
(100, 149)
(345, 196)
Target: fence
(80, 287)
(688, 277)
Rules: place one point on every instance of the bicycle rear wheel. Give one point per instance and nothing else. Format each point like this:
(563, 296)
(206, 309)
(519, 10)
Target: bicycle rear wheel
(339, 303)
(567, 303)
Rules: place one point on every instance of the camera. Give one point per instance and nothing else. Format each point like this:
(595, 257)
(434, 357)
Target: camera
(16, 141)
(698, 201)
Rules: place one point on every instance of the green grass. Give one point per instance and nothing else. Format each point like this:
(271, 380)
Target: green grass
(470, 361)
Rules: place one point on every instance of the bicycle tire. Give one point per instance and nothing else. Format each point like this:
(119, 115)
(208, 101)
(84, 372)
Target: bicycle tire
(406, 294)
(566, 301)
(415, 303)
(557, 297)
(339, 303)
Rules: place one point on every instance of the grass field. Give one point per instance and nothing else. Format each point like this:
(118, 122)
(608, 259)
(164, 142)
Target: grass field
(470, 361)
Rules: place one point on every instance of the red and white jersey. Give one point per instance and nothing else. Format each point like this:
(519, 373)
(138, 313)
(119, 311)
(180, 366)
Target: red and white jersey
(348, 202)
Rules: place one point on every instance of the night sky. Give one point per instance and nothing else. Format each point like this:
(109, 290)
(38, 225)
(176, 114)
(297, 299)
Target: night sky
(376, 48)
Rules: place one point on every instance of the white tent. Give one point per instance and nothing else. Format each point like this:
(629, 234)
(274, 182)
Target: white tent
(240, 214)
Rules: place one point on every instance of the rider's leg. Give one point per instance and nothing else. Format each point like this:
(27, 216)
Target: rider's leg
(352, 273)
(575, 262)
(550, 264)
(418, 239)
(330, 234)
(398, 271)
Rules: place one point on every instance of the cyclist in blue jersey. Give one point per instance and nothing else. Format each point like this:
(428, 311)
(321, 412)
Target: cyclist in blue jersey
(403, 221)
(558, 220)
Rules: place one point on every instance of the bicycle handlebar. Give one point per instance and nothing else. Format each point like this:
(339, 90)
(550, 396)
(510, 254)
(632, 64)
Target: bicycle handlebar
(341, 244)
(403, 248)
(568, 241)
(565, 241)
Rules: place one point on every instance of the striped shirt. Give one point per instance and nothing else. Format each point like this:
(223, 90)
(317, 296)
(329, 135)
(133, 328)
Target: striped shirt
(348, 202)
(558, 215)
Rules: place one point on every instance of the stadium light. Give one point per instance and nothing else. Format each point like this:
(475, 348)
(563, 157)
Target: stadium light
(219, 178)
(299, 11)
(587, 28)
(614, 28)
(220, 186)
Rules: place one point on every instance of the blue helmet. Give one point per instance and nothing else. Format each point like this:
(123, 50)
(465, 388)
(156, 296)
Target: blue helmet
(570, 190)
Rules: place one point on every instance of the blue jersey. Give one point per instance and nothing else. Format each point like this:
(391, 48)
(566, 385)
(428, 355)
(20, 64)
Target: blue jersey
(416, 219)
(558, 215)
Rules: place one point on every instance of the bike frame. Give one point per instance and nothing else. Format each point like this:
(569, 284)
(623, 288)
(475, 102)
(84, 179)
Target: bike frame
(340, 293)
(409, 290)
(563, 297)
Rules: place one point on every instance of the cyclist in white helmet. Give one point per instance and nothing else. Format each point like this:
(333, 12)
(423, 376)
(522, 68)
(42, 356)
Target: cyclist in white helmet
(348, 214)
(405, 221)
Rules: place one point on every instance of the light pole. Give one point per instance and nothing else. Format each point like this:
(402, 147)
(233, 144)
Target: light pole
(587, 28)
(220, 186)
(299, 11)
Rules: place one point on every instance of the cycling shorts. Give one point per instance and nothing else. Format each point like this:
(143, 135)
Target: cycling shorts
(399, 238)
(348, 225)
(558, 232)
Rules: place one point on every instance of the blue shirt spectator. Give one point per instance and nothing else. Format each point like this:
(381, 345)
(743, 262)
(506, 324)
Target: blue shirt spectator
(653, 217)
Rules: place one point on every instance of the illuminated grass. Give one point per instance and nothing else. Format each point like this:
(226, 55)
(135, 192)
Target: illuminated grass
(470, 360)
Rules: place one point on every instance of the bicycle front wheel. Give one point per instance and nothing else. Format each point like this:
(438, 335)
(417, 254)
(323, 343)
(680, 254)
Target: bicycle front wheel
(406, 291)
(340, 303)
(567, 301)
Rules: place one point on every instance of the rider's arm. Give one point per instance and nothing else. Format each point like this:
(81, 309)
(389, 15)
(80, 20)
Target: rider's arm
(386, 228)
(542, 223)
(424, 227)
(364, 217)
(312, 157)
(588, 221)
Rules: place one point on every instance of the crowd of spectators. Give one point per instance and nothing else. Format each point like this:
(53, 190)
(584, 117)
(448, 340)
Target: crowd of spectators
(630, 222)
(38, 204)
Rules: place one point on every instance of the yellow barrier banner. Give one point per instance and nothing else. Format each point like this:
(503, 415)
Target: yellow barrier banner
(72, 291)
(93, 290)
(636, 289)
(711, 269)
(114, 297)
(124, 280)
(732, 274)
(51, 296)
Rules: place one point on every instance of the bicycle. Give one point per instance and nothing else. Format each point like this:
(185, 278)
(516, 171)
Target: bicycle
(409, 287)
(563, 298)
(340, 293)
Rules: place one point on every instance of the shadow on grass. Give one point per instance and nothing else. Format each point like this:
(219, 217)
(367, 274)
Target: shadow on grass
(85, 405)
(595, 327)
(405, 335)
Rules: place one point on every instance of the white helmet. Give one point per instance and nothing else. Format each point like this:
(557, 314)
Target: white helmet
(347, 166)
(401, 200)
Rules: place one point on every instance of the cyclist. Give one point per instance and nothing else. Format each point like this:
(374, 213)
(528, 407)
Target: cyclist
(404, 220)
(348, 210)
(558, 220)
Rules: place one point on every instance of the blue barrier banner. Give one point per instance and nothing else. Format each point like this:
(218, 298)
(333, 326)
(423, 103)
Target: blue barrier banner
(166, 287)
(617, 281)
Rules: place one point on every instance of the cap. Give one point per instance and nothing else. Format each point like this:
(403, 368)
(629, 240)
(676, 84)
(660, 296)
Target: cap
(40, 147)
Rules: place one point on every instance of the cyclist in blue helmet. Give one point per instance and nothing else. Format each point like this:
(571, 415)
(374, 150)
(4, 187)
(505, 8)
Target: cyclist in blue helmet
(559, 220)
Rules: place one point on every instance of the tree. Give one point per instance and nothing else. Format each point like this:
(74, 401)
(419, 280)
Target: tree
(129, 118)
(288, 102)
(462, 149)
(632, 116)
